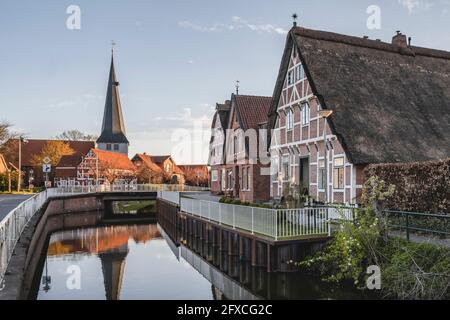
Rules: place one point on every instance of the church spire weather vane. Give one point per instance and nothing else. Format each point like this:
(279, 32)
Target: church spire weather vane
(294, 18)
(113, 44)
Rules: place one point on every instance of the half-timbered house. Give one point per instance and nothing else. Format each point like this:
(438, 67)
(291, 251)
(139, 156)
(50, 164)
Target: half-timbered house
(342, 102)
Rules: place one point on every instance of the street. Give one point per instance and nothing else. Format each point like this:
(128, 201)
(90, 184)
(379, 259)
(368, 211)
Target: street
(9, 202)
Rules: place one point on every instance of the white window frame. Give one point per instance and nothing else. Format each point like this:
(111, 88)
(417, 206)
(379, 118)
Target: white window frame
(306, 111)
(289, 119)
(299, 72)
(341, 169)
(290, 77)
(214, 175)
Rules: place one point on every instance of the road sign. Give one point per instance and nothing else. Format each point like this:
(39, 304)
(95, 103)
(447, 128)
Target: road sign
(46, 168)
(47, 160)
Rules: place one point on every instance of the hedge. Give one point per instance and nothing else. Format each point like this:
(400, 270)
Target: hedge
(420, 186)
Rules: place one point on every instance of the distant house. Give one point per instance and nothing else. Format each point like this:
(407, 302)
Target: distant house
(196, 174)
(147, 170)
(33, 147)
(236, 157)
(170, 168)
(66, 170)
(217, 147)
(105, 167)
(390, 102)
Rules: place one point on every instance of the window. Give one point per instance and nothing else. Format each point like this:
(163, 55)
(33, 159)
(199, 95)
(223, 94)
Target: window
(214, 175)
(322, 180)
(299, 72)
(305, 114)
(246, 178)
(230, 180)
(286, 167)
(116, 147)
(274, 168)
(108, 146)
(290, 79)
(224, 180)
(338, 178)
(289, 119)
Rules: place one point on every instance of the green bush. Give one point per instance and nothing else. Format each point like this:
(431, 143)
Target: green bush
(415, 270)
(238, 202)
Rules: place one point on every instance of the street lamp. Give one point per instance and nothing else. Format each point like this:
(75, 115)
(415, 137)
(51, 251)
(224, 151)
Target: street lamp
(325, 114)
(19, 178)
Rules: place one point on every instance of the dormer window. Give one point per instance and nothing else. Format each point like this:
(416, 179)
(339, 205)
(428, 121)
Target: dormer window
(289, 119)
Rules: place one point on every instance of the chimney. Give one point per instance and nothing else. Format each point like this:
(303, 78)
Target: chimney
(400, 40)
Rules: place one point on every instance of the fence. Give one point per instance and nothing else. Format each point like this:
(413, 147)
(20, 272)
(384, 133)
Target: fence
(419, 223)
(277, 224)
(12, 226)
(128, 188)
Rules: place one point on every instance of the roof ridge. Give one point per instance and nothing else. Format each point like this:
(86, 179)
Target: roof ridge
(369, 43)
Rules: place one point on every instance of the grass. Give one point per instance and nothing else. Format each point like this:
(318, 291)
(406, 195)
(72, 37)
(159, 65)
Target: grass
(135, 205)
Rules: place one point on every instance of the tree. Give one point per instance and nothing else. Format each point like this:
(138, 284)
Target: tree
(196, 177)
(75, 135)
(146, 175)
(54, 150)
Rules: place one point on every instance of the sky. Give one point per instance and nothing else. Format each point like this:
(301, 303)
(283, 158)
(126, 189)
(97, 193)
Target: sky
(175, 59)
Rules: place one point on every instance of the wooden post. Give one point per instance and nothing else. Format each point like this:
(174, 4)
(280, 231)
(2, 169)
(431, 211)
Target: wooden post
(241, 248)
(254, 253)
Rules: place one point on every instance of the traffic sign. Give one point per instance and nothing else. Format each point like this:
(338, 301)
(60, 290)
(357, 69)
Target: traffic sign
(46, 168)
(47, 160)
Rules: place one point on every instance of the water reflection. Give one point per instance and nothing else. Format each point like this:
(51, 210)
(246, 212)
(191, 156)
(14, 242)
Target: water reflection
(148, 262)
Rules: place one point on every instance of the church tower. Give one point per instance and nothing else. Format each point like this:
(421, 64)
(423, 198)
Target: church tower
(113, 136)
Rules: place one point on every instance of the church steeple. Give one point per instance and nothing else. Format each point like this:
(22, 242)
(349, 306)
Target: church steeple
(113, 136)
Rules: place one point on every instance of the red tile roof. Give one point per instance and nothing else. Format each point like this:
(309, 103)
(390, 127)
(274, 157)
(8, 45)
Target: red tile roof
(35, 146)
(252, 110)
(147, 160)
(114, 160)
(159, 159)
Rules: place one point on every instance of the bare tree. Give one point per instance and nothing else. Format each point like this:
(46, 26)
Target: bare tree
(75, 135)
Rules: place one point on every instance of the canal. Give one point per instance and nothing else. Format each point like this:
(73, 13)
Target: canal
(145, 260)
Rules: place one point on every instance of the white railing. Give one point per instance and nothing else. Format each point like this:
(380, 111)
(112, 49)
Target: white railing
(170, 196)
(76, 189)
(277, 224)
(12, 226)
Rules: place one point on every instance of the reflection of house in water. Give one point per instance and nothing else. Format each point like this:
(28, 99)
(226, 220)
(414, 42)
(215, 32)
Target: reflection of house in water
(109, 243)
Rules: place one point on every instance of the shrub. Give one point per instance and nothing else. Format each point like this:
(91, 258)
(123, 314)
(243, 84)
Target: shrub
(419, 186)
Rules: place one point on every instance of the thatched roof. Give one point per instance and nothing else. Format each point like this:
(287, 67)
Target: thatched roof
(391, 102)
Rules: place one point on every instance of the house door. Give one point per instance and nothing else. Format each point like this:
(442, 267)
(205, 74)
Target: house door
(304, 176)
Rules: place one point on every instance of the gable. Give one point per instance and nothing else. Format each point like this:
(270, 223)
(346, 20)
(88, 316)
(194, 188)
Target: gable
(390, 105)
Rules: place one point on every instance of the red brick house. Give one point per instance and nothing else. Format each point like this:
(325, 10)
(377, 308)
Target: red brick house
(244, 174)
(195, 174)
(106, 167)
(217, 147)
(390, 102)
(147, 170)
(66, 168)
(171, 170)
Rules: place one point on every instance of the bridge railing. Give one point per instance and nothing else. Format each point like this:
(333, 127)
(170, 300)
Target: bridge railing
(80, 189)
(12, 226)
(273, 223)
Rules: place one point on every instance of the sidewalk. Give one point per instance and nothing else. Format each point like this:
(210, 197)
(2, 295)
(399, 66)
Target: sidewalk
(421, 239)
(206, 196)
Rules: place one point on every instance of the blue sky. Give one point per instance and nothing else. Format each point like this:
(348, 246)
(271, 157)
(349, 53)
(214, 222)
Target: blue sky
(174, 59)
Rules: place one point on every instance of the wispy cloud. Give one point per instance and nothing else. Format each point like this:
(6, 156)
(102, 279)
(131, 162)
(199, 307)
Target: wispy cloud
(413, 5)
(235, 24)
